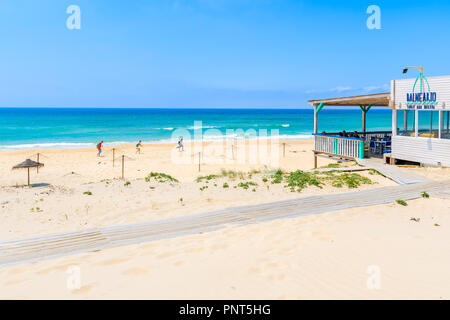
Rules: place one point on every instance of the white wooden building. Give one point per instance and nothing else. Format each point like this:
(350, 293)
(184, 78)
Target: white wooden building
(420, 123)
(421, 128)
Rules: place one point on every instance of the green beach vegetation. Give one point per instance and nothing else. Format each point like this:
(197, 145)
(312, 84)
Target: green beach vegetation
(374, 172)
(160, 177)
(295, 181)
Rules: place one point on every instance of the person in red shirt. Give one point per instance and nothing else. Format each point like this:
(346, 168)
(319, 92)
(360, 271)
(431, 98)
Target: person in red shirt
(99, 148)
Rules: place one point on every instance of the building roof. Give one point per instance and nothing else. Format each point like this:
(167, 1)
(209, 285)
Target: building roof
(377, 100)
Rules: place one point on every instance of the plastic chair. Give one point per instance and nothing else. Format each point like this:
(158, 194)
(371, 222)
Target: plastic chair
(373, 148)
(388, 147)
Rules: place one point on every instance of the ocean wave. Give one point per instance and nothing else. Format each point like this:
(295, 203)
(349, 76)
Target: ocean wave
(230, 137)
(285, 125)
(53, 145)
(296, 137)
(201, 127)
(206, 138)
(117, 143)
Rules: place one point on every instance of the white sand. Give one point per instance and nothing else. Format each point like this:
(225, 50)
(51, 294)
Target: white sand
(320, 256)
(63, 206)
(324, 256)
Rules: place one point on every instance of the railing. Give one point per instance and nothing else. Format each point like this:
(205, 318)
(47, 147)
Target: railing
(339, 146)
(350, 147)
(363, 135)
(324, 143)
(377, 134)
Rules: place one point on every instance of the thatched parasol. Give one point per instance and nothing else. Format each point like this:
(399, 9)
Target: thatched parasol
(27, 164)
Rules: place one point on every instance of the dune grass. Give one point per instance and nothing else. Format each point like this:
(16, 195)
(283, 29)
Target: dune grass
(296, 181)
(160, 177)
(299, 180)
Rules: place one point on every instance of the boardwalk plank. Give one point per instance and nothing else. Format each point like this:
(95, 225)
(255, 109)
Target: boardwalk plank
(399, 175)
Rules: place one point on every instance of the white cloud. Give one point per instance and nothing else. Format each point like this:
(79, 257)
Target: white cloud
(384, 87)
(336, 89)
(340, 89)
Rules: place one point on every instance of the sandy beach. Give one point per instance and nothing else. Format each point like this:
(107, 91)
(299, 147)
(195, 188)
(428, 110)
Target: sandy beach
(65, 206)
(214, 156)
(326, 256)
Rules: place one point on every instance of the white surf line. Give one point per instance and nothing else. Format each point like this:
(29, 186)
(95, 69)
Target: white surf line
(13, 252)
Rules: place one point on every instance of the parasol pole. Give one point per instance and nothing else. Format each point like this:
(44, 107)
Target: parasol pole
(28, 169)
(123, 160)
(37, 168)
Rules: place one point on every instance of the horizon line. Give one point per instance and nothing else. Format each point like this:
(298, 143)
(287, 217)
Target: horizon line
(185, 108)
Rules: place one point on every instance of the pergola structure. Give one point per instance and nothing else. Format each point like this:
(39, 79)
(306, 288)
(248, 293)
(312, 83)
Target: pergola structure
(365, 102)
(419, 131)
(349, 148)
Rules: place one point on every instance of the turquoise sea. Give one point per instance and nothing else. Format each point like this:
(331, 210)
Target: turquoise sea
(22, 128)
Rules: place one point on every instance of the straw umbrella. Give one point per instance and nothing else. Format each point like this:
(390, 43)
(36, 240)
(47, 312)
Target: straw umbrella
(27, 164)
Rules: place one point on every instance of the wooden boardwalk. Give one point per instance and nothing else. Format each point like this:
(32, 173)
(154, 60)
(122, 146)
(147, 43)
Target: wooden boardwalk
(341, 169)
(399, 175)
(40, 248)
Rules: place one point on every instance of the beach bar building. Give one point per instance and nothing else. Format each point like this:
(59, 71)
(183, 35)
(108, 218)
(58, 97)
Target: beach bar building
(420, 124)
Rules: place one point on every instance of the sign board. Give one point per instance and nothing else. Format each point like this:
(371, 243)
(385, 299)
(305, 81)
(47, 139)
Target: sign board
(421, 93)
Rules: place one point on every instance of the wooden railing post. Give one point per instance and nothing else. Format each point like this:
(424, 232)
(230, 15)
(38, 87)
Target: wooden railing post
(123, 166)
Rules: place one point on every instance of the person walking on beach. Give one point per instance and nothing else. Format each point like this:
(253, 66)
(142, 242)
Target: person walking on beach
(99, 148)
(138, 147)
(180, 146)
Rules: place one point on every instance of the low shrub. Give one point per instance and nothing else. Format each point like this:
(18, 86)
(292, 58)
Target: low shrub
(160, 177)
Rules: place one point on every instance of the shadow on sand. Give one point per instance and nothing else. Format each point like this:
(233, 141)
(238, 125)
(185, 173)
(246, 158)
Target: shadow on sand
(39, 185)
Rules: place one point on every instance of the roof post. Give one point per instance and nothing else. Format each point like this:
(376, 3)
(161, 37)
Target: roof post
(364, 109)
(315, 118)
(364, 120)
(317, 108)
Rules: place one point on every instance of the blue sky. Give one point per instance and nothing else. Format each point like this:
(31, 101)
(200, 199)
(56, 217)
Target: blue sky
(212, 53)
